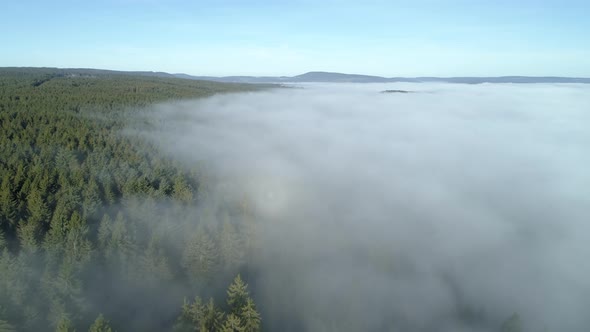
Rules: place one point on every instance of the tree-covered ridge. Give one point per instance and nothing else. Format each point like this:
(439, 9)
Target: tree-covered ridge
(98, 229)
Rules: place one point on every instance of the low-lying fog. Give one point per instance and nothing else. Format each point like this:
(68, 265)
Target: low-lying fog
(448, 209)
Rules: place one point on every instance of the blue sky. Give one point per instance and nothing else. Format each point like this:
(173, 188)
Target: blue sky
(231, 37)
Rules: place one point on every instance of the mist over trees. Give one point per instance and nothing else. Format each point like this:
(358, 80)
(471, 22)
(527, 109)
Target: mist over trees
(328, 208)
(98, 230)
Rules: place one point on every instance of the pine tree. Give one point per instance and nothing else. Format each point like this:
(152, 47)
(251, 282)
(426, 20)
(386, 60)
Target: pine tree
(154, 263)
(77, 246)
(231, 246)
(237, 295)
(197, 316)
(250, 317)
(121, 252)
(92, 200)
(104, 231)
(109, 192)
(28, 234)
(37, 208)
(212, 317)
(200, 257)
(2, 241)
(65, 324)
(232, 324)
(8, 204)
(100, 325)
(182, 190)
(190, 316)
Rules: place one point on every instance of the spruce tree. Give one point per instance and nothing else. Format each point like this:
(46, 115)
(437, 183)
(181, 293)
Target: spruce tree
(64, 325)
(154, 263)
(232, 324)
(237, 295)
(250, 317)
(100, 325)
(200, 257)
(92, 200)
(212, 317)
(231, 246)
(197, 316)
(2, 241)
(28, 234)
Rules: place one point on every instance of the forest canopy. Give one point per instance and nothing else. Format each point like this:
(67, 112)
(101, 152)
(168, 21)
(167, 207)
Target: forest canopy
(97, 228)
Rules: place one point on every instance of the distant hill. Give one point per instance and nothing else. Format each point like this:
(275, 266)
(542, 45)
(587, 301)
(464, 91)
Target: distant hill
(312, 77)
(330, 77)
(320, 76)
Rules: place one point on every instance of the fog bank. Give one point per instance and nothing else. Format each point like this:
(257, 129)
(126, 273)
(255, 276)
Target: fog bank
(447, 209)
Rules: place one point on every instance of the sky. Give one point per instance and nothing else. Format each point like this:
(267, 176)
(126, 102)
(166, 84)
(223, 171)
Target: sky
(232, 37)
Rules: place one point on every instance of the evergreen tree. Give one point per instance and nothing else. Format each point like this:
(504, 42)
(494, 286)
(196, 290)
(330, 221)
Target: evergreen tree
(190, 316)
(104, 231)
(212, 317)
(237, 295)
(2, 241)
(200, 256)
(77, 246)
(64, 325)
(121, 250)
(154, 263)
(92, 200)
(28, 234)
(232, 324)
(182, 190)
(100, 325)
(197, 316)
(250, 317)
(8, 203)
(37, 208)
(231, 246)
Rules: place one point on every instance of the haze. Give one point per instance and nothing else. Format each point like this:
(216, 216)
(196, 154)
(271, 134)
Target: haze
(447, 209)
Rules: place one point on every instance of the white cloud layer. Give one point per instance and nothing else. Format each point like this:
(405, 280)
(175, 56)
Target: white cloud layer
(447, 209)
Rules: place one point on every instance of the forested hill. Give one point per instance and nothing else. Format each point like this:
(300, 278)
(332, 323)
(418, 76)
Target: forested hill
(98, 230)
(106, 87)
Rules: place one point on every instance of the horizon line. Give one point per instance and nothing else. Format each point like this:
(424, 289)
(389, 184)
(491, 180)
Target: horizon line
(290, 76)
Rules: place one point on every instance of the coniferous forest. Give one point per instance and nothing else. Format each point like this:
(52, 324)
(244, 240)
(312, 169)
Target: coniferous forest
(97, 227)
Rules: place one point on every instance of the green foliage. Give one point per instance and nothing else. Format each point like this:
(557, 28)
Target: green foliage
(231, 246)
(154, 263)
(6, 327)
(242, 316)
(2, 241)
(237, 295)
(250, 317)
(100, 325)
(64, 325)
(200, 256)
(28, 236)
(197, 316)
(232, 323)
(82, 229)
